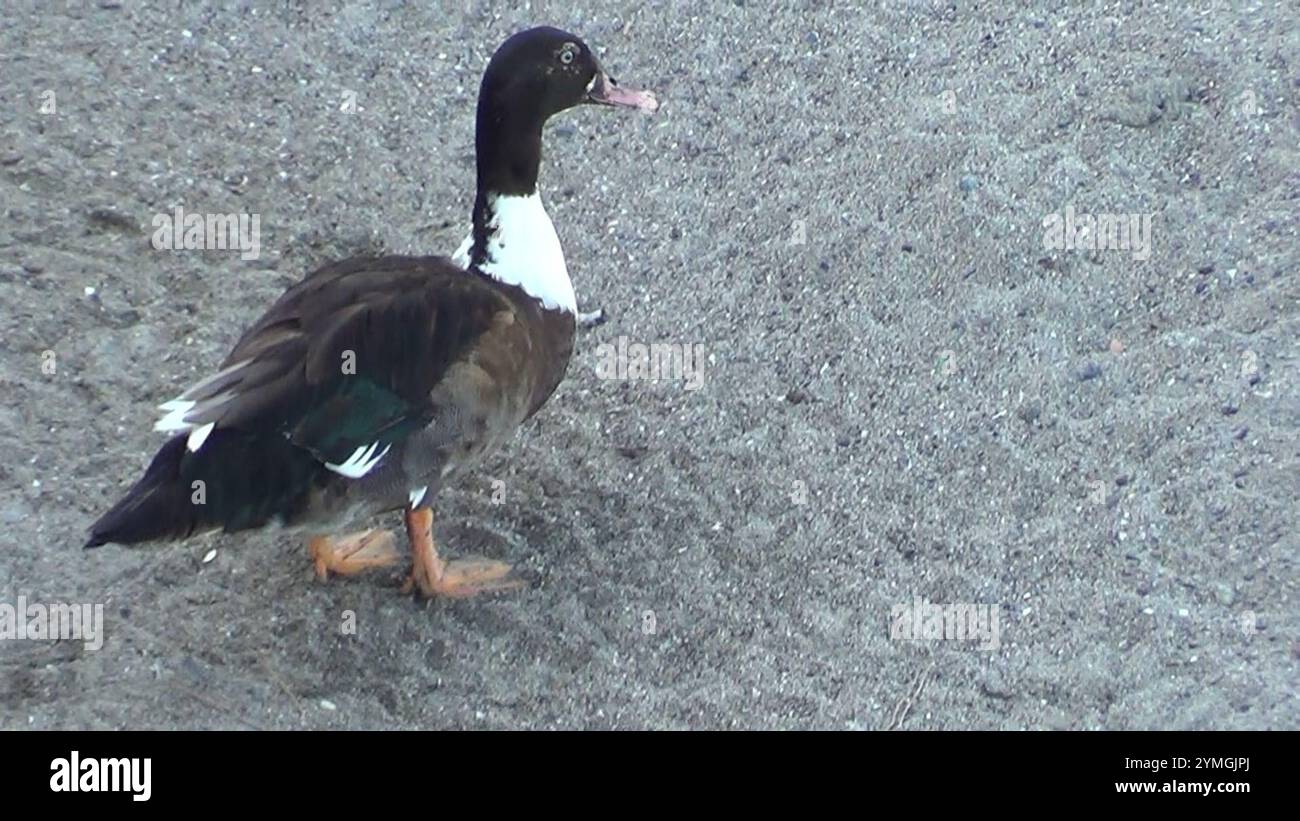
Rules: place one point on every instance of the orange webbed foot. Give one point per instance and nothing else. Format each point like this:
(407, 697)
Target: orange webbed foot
(351, 554)
(459, 578)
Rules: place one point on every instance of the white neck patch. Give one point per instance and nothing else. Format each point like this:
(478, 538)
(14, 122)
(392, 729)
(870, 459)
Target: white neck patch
(523, 250)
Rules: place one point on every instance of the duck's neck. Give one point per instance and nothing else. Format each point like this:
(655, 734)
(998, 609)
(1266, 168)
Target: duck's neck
(512, 239)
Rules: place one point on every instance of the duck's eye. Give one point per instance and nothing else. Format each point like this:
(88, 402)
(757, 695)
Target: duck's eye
(567, 53)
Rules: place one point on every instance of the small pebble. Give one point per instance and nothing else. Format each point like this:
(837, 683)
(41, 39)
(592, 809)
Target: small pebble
(326, 704)
(1090, 370)
(969, 183)
(1224, 593)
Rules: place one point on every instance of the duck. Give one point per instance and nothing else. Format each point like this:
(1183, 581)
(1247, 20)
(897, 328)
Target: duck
(377, 381)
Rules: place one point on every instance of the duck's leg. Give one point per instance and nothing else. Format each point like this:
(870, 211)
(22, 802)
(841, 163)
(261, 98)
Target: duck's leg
(353, 553)
(434, 576)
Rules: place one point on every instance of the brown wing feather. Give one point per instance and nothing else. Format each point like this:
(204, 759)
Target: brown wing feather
(396, 324)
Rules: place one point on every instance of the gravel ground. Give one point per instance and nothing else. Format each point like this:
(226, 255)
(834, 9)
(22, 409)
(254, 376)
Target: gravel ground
(909, 391)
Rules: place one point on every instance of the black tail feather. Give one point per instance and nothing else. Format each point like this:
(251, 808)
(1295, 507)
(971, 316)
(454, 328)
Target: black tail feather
(237, 480)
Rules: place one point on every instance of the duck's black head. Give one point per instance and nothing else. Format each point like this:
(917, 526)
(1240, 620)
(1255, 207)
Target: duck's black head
(533, 75)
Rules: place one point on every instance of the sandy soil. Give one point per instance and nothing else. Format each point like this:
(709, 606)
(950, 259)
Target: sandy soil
(906, 394)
